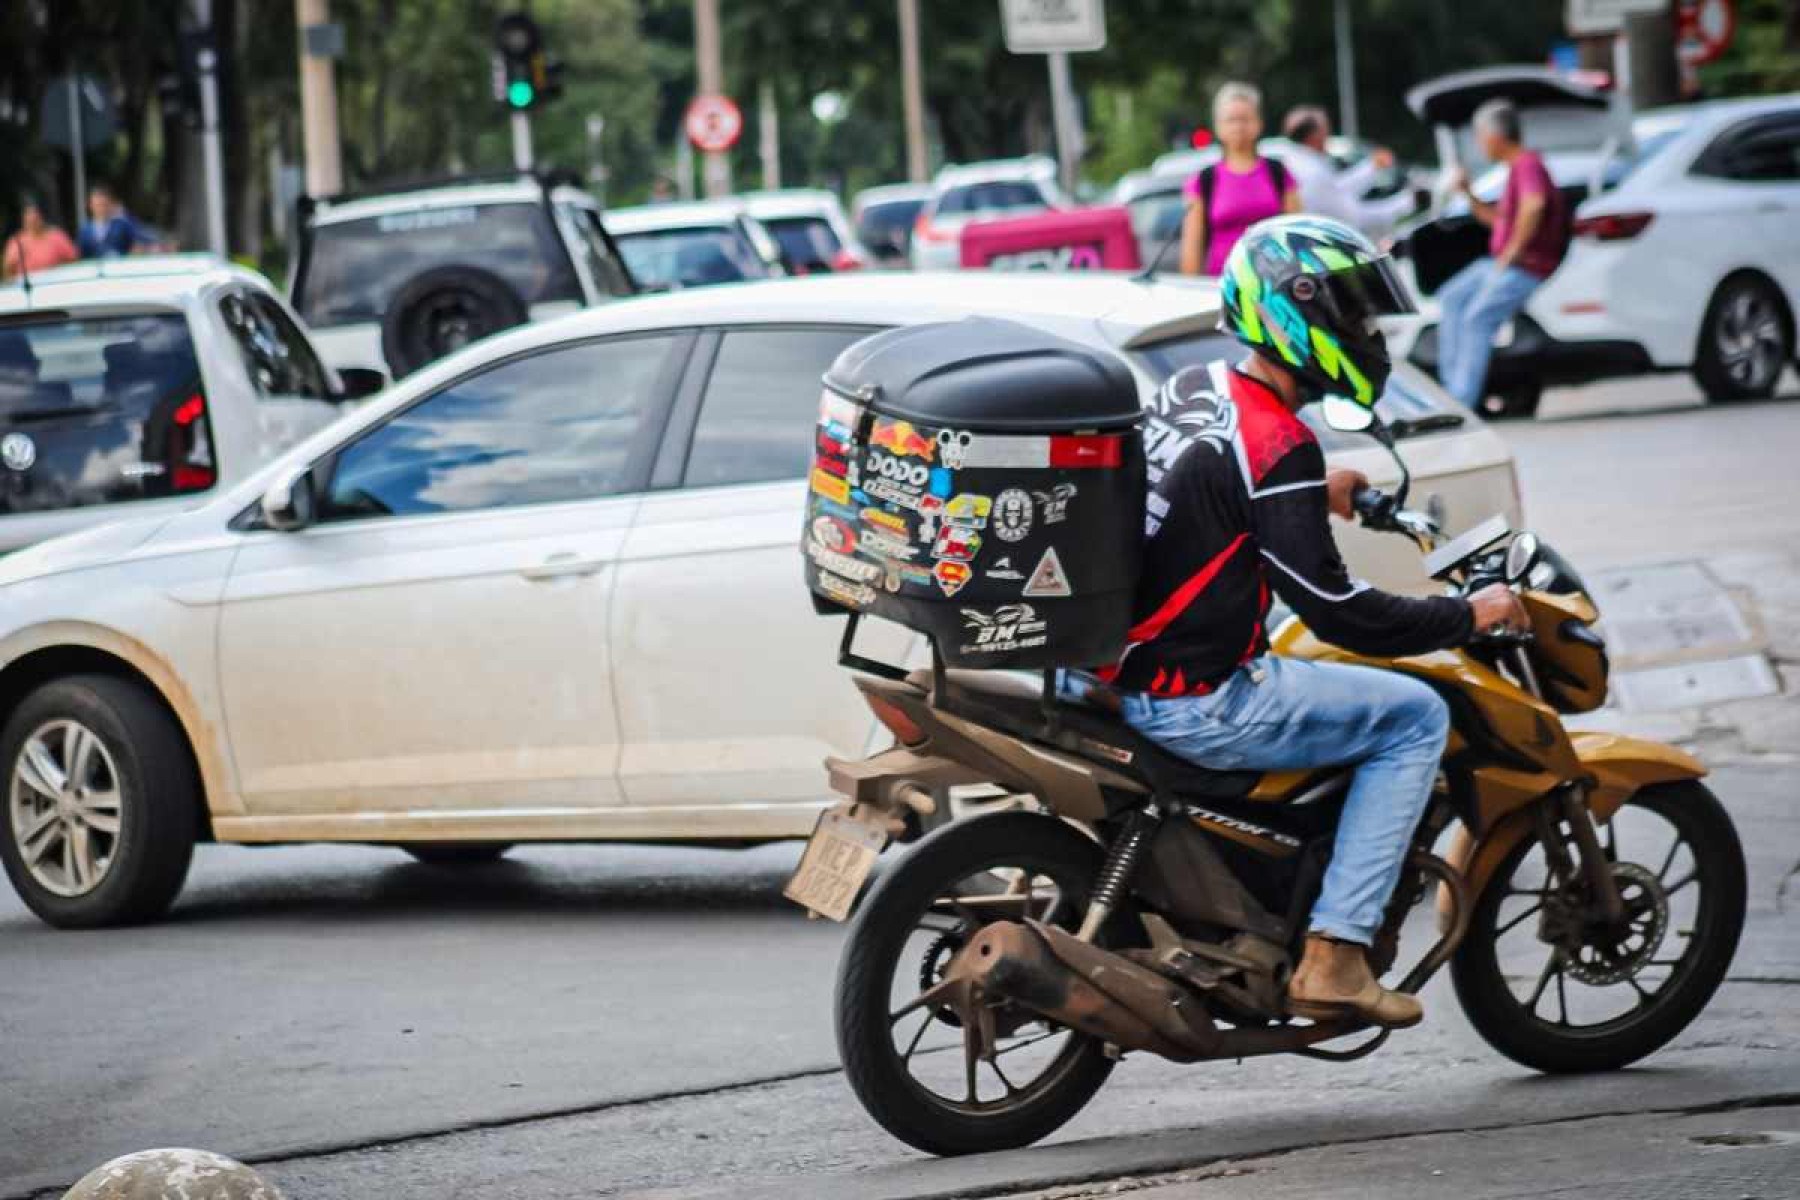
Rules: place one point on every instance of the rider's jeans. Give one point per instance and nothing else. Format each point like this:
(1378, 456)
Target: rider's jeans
(1278, 714)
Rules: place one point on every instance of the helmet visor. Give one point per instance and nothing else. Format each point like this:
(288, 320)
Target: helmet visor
(1371, 289)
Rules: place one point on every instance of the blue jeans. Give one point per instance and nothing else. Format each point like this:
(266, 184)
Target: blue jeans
(1280, 714)
(1476, 302)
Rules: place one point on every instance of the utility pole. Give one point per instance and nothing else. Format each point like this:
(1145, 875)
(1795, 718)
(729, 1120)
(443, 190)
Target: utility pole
(1067, 119)
(912, 91)
(318, 99)
(768, 135)
(207, 62)
(1346, 71)
(710, 70)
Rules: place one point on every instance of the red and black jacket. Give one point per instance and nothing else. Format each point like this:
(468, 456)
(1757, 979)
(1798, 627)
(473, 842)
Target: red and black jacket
(1237, 506)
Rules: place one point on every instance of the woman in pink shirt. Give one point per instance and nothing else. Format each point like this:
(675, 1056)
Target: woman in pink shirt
(37, 246)
(1239, 190)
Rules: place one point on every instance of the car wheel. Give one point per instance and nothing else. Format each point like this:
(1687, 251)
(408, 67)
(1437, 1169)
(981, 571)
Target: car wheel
(1746, 338)
(443, 310)
(457, 854)
(101, 802)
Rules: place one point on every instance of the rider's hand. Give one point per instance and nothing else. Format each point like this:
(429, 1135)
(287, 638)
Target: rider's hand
(1383, 157)
(1497, 607)
(1341, 486)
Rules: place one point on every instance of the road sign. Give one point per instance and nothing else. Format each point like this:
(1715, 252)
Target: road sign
(1703, 30)
(1050, 26)
(713, 123)
(1588, 17)
(95, 118)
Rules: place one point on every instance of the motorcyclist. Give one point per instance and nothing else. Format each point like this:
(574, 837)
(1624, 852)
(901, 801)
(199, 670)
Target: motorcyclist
(1243, 509)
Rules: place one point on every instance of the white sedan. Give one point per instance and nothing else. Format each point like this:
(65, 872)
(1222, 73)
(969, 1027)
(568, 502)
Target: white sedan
(547, 588)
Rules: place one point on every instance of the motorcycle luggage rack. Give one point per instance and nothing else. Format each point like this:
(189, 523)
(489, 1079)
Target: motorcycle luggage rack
(940, 681)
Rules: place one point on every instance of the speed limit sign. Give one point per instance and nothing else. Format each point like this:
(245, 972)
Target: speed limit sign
(713, 123)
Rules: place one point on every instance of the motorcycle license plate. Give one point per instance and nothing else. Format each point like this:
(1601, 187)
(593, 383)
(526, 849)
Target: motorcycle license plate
(837, 861)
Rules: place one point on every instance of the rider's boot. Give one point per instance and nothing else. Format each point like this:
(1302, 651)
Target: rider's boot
(1333, 981)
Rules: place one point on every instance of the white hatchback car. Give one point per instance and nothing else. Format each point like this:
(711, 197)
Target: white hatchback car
(810, 227)
(146, 384)
(548, 588)
(974, 192)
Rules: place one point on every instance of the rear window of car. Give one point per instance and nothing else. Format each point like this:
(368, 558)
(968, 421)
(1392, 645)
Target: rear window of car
(1402, 401)
(1003, 195)
(889, 221)
(354, 267)
(691, 257)
(807, 243)
(101, 410)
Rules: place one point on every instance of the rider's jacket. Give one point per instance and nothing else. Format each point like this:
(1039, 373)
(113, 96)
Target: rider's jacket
(1237, 506)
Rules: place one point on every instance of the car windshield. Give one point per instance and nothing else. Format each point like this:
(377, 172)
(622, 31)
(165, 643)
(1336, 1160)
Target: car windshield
(691, 257)
(888, 222)
(354, 267)
(807, 243)
(99, 410)
(995, 196)
(1403, 401)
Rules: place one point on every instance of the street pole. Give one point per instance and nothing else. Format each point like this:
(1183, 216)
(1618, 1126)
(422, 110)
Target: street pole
(709, 68)
(77, 146)
(912, 91)
(210, 147)
(318, 105)
(1346, 71)
(521, 139)
(768, 135)
(1062, 110)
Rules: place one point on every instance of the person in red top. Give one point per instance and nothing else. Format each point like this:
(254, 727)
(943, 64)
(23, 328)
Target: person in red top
(1530, 235)
(37, 246)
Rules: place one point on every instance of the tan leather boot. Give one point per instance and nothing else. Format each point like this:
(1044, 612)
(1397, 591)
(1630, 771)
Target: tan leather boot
(1333, 981)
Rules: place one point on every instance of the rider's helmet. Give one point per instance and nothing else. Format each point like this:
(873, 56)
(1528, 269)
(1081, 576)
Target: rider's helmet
(1304, 292)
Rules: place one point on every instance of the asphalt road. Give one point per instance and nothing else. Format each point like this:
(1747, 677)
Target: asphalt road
(581, 1021)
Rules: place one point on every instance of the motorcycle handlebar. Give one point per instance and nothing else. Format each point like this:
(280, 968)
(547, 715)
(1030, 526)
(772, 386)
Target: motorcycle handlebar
(1374, 507)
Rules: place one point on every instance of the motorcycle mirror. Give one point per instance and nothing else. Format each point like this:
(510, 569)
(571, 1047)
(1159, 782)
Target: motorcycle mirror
(1347, 416)
(1521, 556)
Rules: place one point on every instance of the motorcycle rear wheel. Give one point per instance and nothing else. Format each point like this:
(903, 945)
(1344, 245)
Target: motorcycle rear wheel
(1059, 865)
(1666, 966)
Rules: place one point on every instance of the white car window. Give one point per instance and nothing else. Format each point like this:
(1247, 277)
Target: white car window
(277, 356)
(756, 421)
(555, 426)
(1764, 150)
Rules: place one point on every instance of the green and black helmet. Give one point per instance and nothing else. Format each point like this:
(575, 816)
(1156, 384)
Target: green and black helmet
(1304, 292)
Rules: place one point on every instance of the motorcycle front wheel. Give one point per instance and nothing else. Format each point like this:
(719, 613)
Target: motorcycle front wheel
(908, 1063)
(1551, 988)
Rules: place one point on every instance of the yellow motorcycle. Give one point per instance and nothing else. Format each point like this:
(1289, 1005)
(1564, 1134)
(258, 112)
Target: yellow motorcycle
(1586, 889)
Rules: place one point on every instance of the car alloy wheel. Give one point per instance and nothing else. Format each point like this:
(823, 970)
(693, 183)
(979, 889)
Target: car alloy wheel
(64, 805)
(1749, 338)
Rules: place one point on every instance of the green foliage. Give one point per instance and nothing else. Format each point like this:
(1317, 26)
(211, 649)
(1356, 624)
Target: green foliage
(1764, 57)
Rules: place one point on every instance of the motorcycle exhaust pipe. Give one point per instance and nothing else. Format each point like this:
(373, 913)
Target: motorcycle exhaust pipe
(1052, 973)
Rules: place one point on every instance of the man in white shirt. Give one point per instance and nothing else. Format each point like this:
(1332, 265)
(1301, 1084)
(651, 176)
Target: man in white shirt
(1328, 191)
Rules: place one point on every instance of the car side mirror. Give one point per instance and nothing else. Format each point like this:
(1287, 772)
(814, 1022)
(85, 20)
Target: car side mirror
(290, 504)
(357, 383)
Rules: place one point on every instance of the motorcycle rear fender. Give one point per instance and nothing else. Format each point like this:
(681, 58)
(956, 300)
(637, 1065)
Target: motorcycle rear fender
(1618, 765)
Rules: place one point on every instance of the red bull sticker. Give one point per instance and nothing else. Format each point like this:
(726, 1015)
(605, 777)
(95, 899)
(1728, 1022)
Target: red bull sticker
(951, 576)
(900, 438)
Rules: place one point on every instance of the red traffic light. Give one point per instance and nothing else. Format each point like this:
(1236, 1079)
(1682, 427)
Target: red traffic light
(1201, 138)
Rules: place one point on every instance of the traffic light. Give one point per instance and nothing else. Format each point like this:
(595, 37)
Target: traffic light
(524, 76)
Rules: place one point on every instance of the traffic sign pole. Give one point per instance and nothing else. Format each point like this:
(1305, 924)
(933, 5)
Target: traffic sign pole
(521, 140)
(77, 149)
(1066, 119)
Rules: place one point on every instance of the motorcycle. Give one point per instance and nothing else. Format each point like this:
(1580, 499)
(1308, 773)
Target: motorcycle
(1588, 899)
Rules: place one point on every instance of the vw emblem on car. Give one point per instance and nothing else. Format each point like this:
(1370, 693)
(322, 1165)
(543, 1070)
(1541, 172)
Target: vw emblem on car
(18, 452)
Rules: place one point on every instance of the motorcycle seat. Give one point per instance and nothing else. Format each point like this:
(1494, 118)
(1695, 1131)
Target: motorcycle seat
(1014, 702)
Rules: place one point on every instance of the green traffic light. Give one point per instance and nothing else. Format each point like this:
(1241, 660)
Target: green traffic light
(519, 93)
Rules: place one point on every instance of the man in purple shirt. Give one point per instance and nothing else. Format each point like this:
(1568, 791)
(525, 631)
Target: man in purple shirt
(1530, 235)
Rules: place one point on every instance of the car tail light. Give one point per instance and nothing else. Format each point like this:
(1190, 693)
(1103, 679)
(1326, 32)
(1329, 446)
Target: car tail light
(190, 447)
(846, 260)
(932, 233)
(896, 720)
(1613, 227)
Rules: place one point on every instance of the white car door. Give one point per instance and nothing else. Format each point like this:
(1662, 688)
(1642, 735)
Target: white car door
(293, 393)
(436, 640)
(734, 694)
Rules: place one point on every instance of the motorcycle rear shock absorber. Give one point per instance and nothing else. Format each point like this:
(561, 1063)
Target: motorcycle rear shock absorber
(1115, 875)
